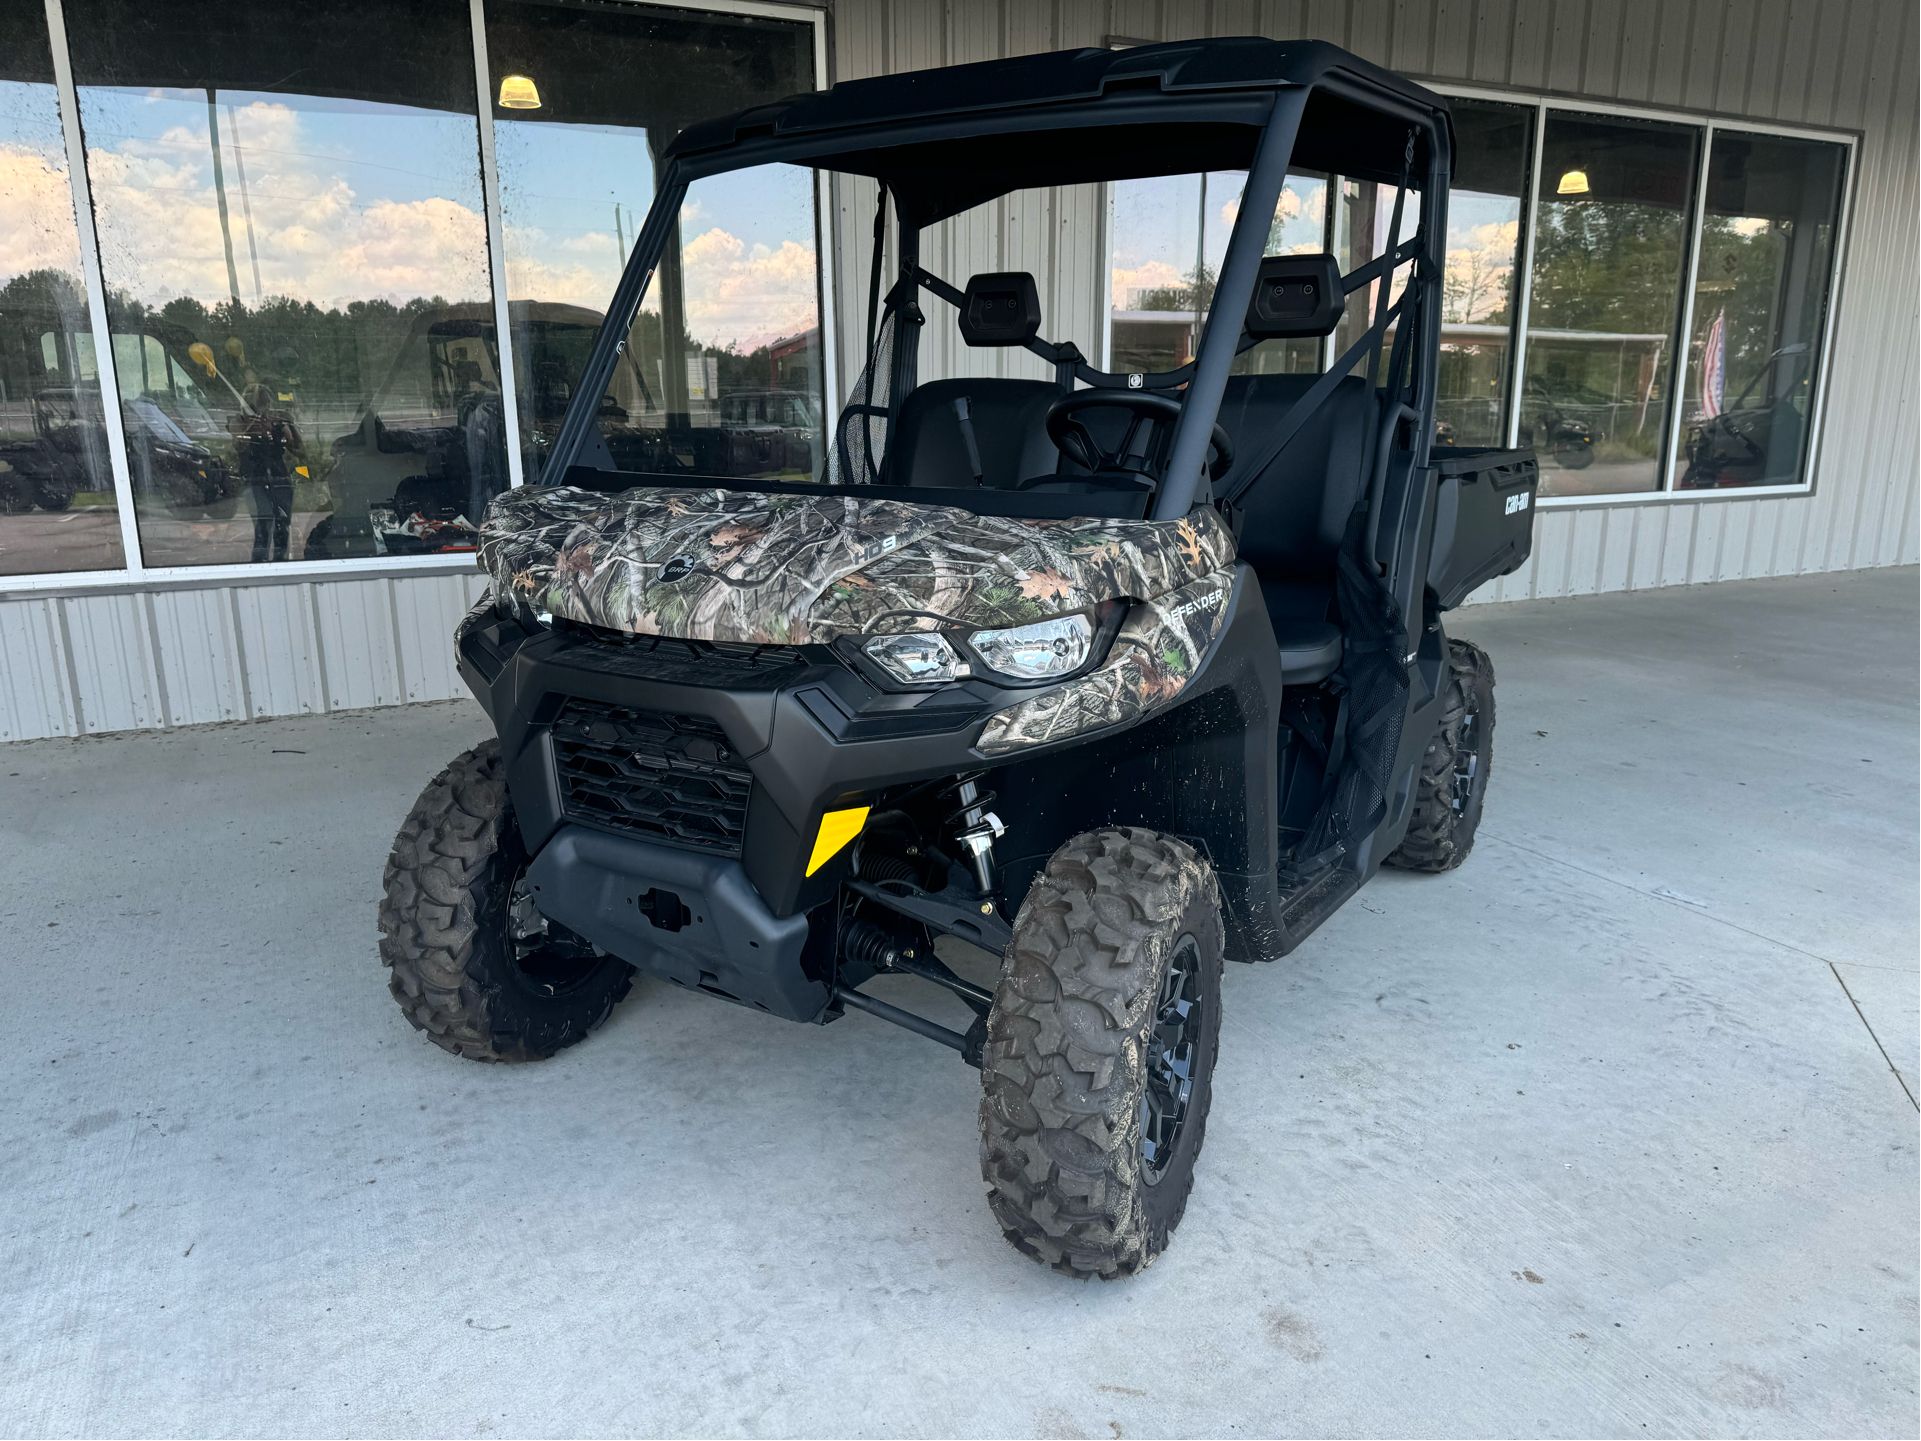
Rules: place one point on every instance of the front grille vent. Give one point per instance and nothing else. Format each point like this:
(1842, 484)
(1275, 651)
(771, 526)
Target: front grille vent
(732, 665)
(668, 778)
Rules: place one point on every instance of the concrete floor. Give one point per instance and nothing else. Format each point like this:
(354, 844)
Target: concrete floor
(1600, 1135)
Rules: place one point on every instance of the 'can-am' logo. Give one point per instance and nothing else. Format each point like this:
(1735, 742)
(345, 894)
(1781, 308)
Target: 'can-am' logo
(679, 568)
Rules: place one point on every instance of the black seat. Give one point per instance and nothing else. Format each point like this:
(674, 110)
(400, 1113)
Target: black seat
(1310, 650)
(1009, 422)
(1296, 510)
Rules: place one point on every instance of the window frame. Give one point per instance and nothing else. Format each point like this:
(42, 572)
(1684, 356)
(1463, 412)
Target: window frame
(134, 573)
(1707, 125)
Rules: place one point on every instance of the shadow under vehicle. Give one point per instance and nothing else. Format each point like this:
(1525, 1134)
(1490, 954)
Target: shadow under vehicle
(1752, 443)
(1115, 676)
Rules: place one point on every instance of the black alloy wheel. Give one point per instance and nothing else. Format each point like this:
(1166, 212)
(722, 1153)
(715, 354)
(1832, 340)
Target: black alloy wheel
(1172, 1050)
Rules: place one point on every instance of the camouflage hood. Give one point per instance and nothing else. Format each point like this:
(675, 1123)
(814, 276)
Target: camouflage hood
(795, 569)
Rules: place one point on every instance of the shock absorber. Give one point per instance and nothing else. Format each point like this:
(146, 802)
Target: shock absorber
(980, 828)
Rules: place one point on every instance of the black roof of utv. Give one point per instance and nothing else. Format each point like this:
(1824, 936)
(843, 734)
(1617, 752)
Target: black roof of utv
(946, 140)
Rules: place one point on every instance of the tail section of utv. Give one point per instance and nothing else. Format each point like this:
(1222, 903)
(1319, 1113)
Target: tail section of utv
(1111, 676)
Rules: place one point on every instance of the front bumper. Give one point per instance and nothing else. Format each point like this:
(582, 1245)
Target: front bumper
(815, 735)
(691, 919)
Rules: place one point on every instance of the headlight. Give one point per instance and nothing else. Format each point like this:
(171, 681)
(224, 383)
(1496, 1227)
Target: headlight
(917, 659)
(1041, 651)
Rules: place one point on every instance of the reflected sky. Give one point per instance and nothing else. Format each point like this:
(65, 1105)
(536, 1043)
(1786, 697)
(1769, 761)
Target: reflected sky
(335, 200)
(1164, 224)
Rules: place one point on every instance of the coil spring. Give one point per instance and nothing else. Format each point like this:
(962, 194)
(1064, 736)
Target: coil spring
(867, 944)
(952, 791)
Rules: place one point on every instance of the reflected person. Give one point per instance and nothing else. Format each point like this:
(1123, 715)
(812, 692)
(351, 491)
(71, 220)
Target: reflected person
(266, 442)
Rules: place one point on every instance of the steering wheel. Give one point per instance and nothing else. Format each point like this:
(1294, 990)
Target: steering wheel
(1077, 443)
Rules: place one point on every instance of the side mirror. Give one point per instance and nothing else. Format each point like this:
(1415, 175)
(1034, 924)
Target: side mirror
(1296, 296)
(1000, 309)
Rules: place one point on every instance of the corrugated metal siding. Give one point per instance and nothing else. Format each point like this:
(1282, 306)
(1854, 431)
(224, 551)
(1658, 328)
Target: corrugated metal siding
(82, 664)
(1849, 65)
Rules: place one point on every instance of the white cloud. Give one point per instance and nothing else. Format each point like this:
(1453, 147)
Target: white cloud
(316, 236)
(1152, 275)
(36, 220)
(743, 295)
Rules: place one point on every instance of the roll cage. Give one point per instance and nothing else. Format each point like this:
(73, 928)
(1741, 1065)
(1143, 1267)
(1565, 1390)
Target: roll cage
(939, 143)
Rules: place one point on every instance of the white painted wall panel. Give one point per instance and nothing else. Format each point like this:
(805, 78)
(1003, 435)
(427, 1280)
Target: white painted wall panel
(34, 699)
(355, 624)
(281, 649)
(425, 613)
(199, 647)
(112, 654)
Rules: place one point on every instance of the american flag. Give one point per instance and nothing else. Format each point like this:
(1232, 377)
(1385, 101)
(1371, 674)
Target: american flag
(1714, 371)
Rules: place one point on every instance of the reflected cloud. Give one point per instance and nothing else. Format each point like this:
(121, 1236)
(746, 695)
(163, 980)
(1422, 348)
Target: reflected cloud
(319, 236)
(36, 222)
(1127, 282)
(746, 296)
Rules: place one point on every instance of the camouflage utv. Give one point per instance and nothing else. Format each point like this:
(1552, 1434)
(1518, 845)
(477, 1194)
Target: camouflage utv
(1110, 676)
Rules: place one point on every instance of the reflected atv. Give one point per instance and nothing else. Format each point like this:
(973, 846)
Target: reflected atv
(49, 470)
(429, 449)
(1058, 694)
(1751, 442)
(1570, 441)
(68, 427)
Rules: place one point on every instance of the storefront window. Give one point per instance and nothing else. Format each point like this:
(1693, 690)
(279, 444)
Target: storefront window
(1169, 237)
(1760, 310)
(586, 96)
(1609, 263)
(56, 481)
(294, 245)
(1493, 145)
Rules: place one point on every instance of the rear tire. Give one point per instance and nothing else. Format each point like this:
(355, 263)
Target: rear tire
(1103, 1031)
(474, 965)
(1454, 772)
(54, 495)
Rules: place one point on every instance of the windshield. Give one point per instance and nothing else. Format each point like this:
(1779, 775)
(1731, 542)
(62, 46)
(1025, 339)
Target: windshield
(971, 350)
(722, 373)
(156, 421)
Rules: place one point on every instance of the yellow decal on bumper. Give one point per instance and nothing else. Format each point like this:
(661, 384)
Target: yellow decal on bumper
(837, 828)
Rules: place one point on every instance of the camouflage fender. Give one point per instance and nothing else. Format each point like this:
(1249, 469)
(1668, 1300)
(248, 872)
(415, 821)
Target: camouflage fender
(1153, 658)
(798, 569)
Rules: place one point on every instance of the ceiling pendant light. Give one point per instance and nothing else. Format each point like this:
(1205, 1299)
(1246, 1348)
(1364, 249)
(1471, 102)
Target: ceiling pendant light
(1572, 183)
(517, 92)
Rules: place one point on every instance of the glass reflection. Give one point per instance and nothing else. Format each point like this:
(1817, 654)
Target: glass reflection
(722, 370)
(57, 508)
(297, 277)
(1604, 300)
(1363, 216)
(1493, 144)
(1169, 237)
(595, 92)
(1760, 309)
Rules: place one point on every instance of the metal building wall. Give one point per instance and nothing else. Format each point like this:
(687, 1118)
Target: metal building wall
(81, 663)
(74, 663)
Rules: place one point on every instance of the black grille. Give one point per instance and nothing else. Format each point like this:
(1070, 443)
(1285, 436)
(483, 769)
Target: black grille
(734, 665)
(668, 778)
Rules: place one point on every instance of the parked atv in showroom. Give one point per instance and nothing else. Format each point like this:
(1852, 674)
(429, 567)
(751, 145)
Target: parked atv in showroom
(1115, 676)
